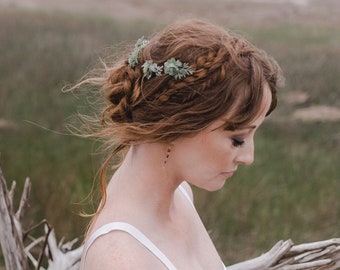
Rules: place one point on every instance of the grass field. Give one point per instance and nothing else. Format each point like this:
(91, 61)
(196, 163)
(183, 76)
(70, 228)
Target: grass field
(292, 190)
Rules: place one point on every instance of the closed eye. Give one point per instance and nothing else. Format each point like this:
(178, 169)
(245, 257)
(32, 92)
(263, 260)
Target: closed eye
(237, 142)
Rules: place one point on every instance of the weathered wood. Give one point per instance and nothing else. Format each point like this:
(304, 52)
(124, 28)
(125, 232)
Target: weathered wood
(285, 255)
(266, 260)
(10, 227)
(16, 254)
(62, 255)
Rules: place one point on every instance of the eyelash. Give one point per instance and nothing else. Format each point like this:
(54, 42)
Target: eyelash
(237, 142)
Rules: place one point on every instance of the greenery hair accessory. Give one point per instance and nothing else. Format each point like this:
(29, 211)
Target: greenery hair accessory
(150, 68)
(177, 69)
(172, 67)
(140, 44)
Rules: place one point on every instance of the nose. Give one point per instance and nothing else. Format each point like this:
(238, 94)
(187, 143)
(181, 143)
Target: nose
(246, 154)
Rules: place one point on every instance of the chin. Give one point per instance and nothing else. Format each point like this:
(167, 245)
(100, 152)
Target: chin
(214, 186)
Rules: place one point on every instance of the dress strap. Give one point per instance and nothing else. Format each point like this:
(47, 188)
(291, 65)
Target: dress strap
(134, 232)
(185, 193)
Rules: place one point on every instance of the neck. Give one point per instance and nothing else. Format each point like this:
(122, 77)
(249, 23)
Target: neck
(144, 178)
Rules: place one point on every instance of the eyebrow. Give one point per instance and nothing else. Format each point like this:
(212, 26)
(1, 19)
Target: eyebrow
(252, 127)
(248, 127)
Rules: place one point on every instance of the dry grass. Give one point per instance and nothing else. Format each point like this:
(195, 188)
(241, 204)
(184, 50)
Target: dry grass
(227, 12)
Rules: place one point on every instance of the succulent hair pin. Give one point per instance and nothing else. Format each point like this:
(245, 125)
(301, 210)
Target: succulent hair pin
(177, 69)
(172, 67)
(150, 68)
(140, 44)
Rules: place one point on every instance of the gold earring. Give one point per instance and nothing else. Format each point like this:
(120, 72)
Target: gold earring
(168, 151)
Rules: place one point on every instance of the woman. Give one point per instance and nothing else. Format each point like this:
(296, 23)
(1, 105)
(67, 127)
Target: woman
(183, 108)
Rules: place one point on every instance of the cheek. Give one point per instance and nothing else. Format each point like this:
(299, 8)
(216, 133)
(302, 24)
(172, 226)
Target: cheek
(218, 151)
(224, 156)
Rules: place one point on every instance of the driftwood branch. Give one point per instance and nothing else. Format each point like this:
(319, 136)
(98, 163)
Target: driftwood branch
(285, 255)
(19, 256)
(11, 231)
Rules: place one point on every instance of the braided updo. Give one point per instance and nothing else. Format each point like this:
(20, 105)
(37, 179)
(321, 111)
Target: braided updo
(226, 70)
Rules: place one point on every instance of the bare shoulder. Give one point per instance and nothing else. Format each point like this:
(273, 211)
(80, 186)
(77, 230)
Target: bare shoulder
(188, 189)
(119, 250)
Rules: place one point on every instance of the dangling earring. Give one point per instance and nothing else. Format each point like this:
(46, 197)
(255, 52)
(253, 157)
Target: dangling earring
(168, 151)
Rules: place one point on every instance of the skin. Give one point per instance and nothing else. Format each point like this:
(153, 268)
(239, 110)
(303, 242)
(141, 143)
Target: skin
(143, 192)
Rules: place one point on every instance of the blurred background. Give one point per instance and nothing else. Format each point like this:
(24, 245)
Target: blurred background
(292, 189)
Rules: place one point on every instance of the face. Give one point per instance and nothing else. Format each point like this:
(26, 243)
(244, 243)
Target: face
(213, 155)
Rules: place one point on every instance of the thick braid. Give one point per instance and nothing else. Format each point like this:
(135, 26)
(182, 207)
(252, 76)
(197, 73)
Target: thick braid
(120, 90)
(209, 69)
